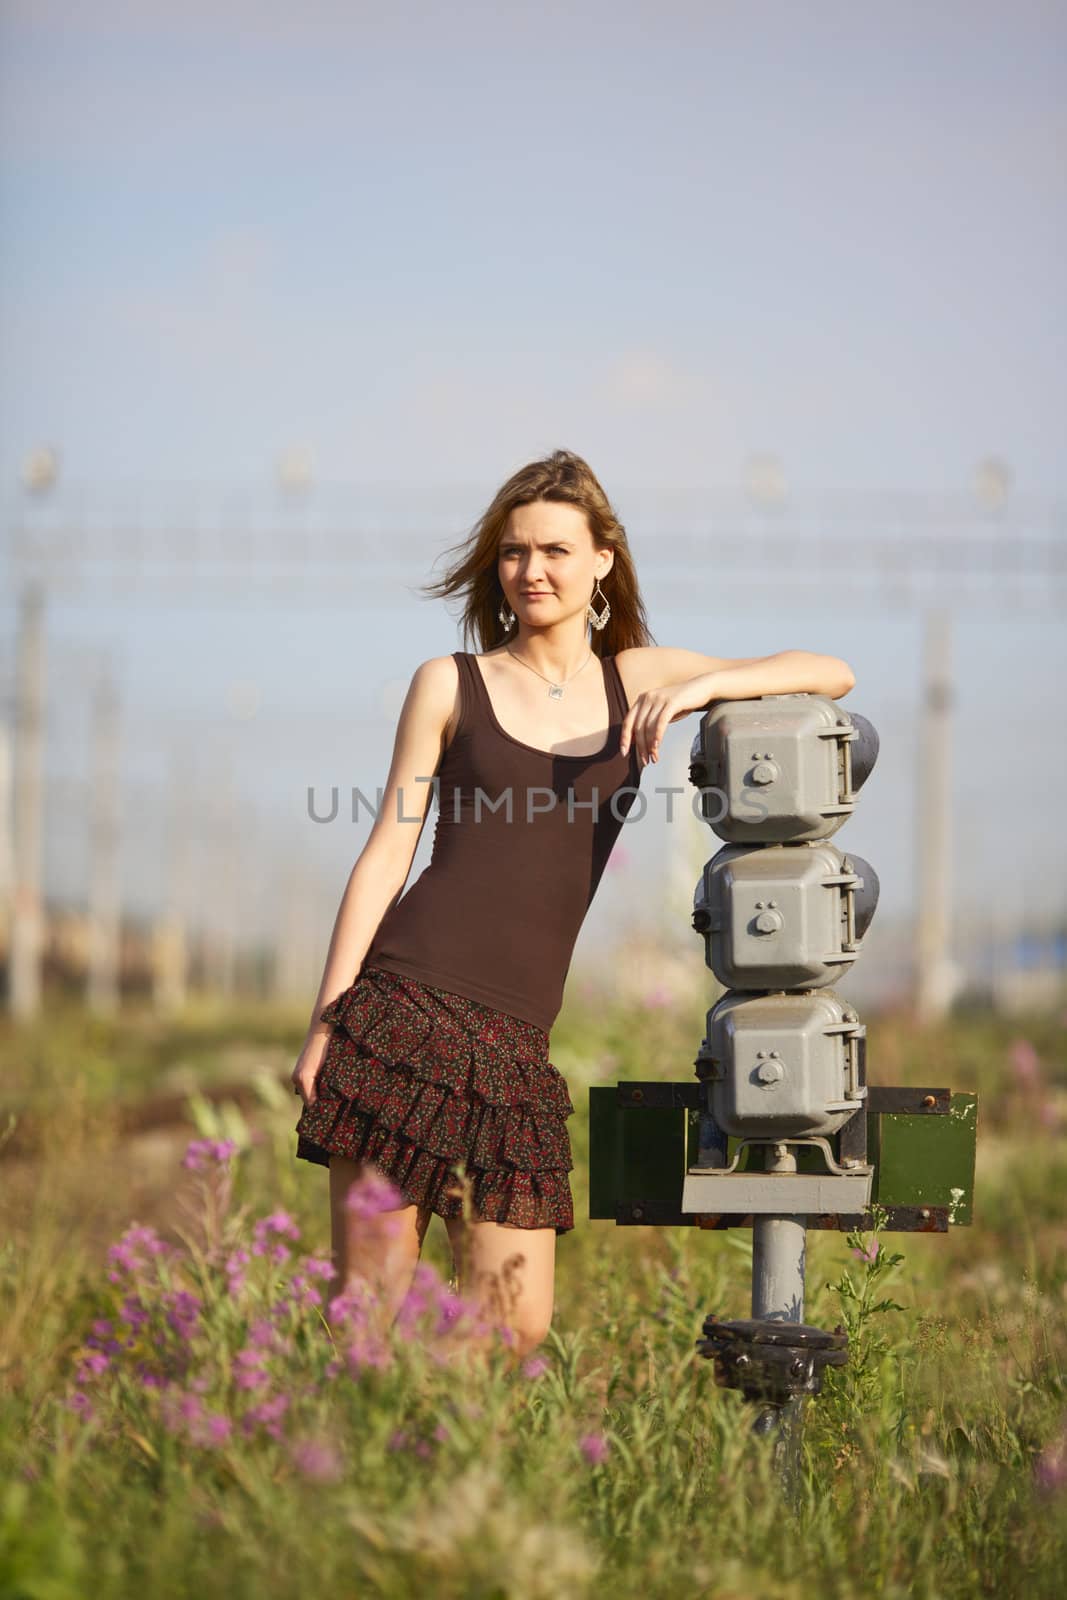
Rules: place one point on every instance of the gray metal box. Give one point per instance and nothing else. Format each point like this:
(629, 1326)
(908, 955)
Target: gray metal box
(782, 764)
(782, 1064)
(780, 916)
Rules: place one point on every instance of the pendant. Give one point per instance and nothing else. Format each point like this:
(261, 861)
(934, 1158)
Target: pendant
(556, 692)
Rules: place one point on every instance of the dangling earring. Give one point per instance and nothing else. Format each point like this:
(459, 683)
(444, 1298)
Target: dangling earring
(507, 616)
(596, 620)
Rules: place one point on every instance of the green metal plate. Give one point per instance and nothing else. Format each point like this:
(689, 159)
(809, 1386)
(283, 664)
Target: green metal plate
(638, 1156)
(636, 1153)
(926, 1161)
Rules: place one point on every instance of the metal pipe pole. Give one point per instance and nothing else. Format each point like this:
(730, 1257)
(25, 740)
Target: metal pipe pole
(778, 1257)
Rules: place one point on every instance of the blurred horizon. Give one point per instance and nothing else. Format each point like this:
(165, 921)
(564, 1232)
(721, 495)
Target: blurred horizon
(275, 283)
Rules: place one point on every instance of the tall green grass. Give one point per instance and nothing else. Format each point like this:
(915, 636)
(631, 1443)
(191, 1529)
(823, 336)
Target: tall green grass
(281, 1458)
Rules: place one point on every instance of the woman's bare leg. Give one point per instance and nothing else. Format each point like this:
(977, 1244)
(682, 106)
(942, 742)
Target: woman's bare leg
(510, 1273)
(381, 1250)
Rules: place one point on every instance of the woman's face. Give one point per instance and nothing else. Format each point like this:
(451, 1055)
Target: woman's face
(547, 562)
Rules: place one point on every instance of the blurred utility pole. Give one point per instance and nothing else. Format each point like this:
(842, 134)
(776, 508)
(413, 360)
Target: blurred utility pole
(170, 965)
(935, 969)
(27, 922)
(224, 874)
(7, 843)
(104, 834)
(301, 934)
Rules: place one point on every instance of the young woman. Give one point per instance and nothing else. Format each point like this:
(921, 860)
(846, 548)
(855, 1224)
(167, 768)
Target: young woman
(435, 1057)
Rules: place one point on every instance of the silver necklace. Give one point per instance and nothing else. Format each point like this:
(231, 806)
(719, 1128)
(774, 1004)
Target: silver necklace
(555, 691)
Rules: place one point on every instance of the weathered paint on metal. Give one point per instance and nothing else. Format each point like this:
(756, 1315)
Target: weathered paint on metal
(928, 1161)
(639, 1153)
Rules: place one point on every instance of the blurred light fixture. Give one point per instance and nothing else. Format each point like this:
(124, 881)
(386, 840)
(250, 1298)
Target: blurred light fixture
(992, 482)
(764, 481)
(40, 469)
(295, 471)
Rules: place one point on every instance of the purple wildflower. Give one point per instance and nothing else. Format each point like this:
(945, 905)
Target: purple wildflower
(250, 1372)
(1024, 1063)
(301, 1291)
(262, 1335)
(234, 1266)
(318, 1267)
(349, 1307)
(135, 1312)
(191, 1407)
(133, 1252)
(410, 1311)
(91, 1365)
(372, 1194)
(201, 1154)
(869, 1252)
(267, 1414)
(211, 1430)
(183, 1312)
(536, 1366)
(317, 1459)
(365, 1351)
(1050, 1468)
(279, 1224)
(450, 1309)
(594, 1447)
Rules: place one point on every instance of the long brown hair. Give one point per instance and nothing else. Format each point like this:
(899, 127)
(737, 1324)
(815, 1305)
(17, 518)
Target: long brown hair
(473, 574)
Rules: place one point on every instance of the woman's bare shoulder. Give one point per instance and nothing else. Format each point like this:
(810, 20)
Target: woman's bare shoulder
(435, 691)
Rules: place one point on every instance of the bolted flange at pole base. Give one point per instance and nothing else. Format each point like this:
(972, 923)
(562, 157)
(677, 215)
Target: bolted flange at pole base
(769, 1360)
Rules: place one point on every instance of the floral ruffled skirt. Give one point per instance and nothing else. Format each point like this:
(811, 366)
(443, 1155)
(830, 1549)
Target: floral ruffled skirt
(416, 1079)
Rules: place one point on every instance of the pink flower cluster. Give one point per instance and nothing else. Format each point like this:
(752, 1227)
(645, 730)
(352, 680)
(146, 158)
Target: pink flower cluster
(176, 1345)
(202, 1154)
(136, 1251)
(1050, 1468)
(1026, 1070)
(594, 1447)
(372, 1195)
(317, 1459)
(278, 1225)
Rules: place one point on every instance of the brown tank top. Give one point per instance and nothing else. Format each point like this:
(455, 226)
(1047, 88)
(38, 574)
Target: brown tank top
(520, 844)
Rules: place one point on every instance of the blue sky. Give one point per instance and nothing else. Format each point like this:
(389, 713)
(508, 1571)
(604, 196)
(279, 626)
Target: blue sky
(427, 243)
(430, 241)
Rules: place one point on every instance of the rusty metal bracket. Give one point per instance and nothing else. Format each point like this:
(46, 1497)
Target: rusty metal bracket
(910, 1102)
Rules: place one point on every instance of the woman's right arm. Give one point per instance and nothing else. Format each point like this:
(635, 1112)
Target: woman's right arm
(380, 873)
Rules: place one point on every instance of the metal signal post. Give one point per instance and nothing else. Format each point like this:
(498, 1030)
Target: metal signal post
(781, 1132)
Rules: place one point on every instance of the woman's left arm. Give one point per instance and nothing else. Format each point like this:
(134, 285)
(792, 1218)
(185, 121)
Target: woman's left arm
(786, 672)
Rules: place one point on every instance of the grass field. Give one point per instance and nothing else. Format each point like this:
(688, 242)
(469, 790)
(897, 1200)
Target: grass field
(177, 1421)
